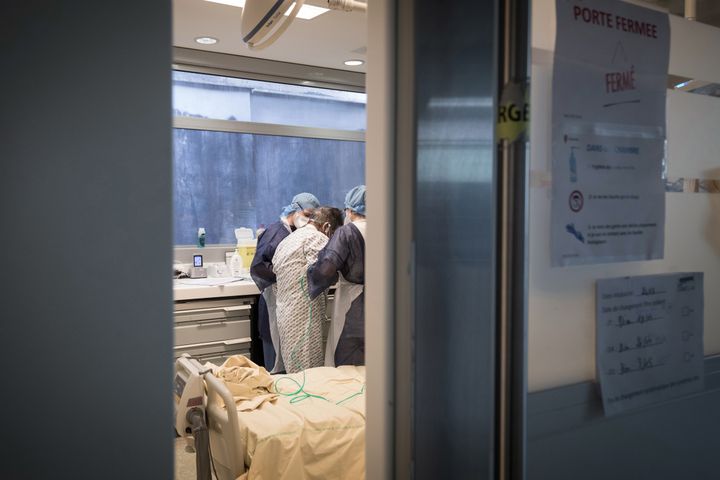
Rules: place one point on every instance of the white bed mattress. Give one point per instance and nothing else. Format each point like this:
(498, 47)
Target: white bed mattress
(317, 432)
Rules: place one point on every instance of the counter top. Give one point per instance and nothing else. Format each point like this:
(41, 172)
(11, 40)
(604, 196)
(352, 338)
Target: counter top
(193, 289)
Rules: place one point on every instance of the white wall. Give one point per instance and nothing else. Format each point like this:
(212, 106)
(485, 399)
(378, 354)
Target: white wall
(562, 300)
(379, 168)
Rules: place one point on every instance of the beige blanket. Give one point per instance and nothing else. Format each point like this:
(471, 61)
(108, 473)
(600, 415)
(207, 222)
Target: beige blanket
(313, 432)
(250, 384)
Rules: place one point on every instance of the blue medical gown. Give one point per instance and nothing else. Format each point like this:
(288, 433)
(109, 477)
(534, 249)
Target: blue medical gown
(344, 253)
(261, 271)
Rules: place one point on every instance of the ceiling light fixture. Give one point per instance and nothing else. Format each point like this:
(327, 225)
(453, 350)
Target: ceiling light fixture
(206, 40)
(684, 84)
(232, 3)
(354, 62)
(307, 12)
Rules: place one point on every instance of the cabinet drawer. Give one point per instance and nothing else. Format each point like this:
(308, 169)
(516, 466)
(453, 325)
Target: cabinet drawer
(212, 331)
(217, 303)
(219, 359)
(234, 312)
(219, 349)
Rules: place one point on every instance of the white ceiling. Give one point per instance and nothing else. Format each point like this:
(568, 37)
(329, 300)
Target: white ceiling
(326, 41)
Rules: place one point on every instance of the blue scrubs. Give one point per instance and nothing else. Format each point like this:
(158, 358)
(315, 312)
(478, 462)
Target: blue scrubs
(261, 271)
(344, 253)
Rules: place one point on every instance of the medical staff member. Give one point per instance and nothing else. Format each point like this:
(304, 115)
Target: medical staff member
(261, 271)
(342, 261)
(300, 320)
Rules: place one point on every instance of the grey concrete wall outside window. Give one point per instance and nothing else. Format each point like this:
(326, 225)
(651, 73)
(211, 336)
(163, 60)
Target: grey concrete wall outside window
(226, 98)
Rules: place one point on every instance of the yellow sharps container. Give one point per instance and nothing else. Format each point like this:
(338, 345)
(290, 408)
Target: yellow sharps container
(247, 252)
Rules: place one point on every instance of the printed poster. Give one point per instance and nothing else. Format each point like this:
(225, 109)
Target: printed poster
(608, 145)
(649, 339)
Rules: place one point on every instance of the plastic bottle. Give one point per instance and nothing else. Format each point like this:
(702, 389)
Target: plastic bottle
(236, 264)
(573, 165)
(201, 237)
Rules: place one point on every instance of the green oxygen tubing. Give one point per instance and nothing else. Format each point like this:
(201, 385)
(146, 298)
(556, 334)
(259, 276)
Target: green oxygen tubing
(299, 394)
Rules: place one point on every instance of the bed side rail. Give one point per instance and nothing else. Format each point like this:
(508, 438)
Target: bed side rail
(224, 428)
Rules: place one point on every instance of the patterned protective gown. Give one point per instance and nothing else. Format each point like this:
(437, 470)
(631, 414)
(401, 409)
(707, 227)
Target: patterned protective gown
(300, 320)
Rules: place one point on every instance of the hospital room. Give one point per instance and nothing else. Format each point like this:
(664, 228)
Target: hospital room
(268, 165)
(360, 239)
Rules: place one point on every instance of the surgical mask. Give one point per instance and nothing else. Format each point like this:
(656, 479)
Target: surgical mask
(300, 221)
(347, 220)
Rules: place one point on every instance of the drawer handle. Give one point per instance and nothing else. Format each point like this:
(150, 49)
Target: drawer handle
(227, 343)
(210, 324)
(236, 308)
(194, 345)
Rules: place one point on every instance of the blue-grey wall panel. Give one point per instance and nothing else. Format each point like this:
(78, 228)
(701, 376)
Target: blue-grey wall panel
(227, 180)
(455, 72)
(85, 209)
(570, 439)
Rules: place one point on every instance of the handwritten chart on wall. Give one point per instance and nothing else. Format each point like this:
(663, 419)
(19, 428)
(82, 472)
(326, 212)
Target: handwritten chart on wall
(609, 87)
(649, 339)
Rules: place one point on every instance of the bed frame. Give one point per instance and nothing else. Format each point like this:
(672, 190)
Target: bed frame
(226, 445)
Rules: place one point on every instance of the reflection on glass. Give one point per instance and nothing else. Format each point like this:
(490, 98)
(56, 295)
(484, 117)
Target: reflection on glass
(227, 180)
(227, 98)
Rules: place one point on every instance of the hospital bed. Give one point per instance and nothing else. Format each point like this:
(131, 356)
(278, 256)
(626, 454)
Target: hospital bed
(314, 428)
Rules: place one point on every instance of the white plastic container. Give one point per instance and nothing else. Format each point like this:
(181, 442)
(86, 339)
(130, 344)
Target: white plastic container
(236, 265)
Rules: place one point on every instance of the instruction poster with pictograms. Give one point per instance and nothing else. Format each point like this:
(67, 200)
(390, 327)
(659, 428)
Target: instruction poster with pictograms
(608, 145)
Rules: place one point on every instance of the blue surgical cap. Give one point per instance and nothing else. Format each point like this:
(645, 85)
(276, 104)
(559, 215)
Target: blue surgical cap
(301, 201)
(355, 199)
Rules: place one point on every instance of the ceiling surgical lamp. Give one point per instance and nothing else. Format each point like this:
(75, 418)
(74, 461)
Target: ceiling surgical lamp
(264, 21)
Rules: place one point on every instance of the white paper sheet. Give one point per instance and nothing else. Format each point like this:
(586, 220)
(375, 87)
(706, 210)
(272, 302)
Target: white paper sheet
(649, 339)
